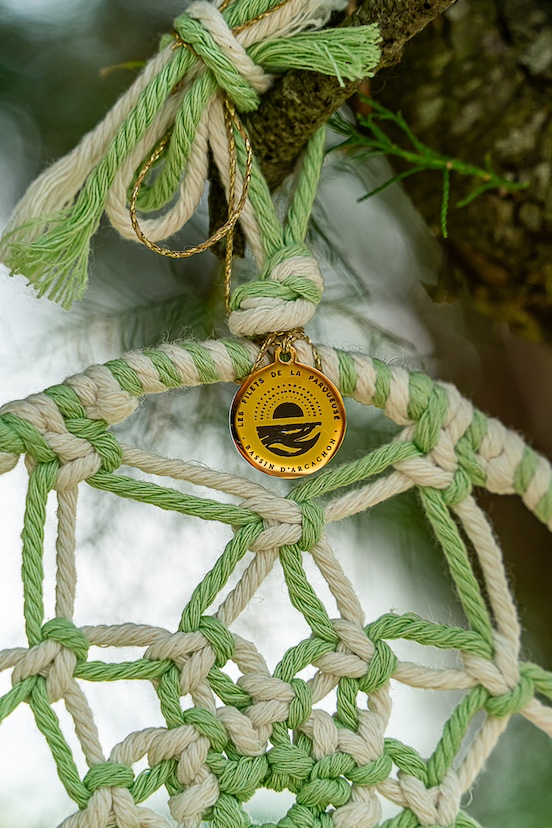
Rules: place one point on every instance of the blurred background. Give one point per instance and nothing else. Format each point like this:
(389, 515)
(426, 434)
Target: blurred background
(380, 260)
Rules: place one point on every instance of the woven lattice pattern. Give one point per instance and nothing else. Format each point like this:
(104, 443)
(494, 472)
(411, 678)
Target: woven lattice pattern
(265, 730)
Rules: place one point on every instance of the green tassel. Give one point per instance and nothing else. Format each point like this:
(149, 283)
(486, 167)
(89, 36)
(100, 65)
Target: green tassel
(56, 263)
(52, 251)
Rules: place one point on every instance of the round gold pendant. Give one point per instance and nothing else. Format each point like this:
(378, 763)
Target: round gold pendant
(287, 419)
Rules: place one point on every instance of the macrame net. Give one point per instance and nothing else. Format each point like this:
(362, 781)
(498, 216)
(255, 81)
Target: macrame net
(266, 730)
(225, 738)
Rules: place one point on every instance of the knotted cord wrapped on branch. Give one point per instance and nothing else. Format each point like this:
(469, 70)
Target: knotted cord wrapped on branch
(215, 54)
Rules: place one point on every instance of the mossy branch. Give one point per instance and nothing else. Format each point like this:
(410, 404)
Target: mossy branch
(368, 139)
(300, 101)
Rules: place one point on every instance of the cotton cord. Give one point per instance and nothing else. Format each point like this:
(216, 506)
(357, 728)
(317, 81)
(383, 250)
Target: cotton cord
(267, 730)
(215, 54)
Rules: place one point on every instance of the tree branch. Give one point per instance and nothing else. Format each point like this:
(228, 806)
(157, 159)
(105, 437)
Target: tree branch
(300, 101)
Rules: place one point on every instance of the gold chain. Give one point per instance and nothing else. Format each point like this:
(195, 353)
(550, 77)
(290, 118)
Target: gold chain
(231, 121)
(284, 340)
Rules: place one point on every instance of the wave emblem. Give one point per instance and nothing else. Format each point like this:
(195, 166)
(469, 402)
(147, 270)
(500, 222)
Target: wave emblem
(288, 437)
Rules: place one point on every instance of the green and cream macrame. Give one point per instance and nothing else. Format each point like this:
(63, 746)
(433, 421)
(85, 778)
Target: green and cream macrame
(266, 730)
(263, 730)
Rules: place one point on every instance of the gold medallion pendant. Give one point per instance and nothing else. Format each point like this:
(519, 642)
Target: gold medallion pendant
(287, 419)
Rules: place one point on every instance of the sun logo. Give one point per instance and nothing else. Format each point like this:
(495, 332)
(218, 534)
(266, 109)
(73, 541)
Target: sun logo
(286, 436)
(287, 419)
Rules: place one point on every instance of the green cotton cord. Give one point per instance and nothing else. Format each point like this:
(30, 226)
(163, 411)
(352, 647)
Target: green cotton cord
(203, 362)
(282, 243)
(166, 370)
(16, 696)
(411, 627)
(408, 819)
(41, 481)
(126, 377)
(142, 669)
(301, 655)
(227, 77)
(206, 592)
(289, 764)
(298, 216)
(109, 775)
(347, 374)
(48, 724)
(526, 470)
(228, 692)
(347, 710)
(168, 692)
(271, 231)
(57, 262)
(150, 780)
(454, 732)
(357, 470)
(303, 596)
(407, 759)
(21, 436)
(237, 14)
(456, 553)
(166, 184)
(171, 499)
(338, 52)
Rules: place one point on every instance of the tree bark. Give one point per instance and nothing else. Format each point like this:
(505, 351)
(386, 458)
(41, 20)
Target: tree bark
(300, 102)
(475, 85)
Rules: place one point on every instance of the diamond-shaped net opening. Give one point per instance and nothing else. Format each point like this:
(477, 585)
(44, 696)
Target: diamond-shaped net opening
(233, 726)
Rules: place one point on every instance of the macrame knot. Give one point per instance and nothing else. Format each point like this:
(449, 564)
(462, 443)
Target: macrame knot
(190, 749)
(313, 524)
(54, 658)
(514, 700)
(101, 394)
(361, 655)
(68, 635)
(202, 733)
(194, 652)
(221, 640)
(372, 773)
(510, 685)
(52, 429)
(283, 298)
(11, 447)
(207, 725)
(320, 793)
(301, 706)
(239, 777)
(282, 521)
(109, 775)
(435, 807)
(288, 760)
(460, 488)
(300, 816)
(381, 668)
(205, 31)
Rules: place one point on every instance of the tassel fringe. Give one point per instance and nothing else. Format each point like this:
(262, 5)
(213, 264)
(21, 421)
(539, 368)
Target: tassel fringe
(48, 237)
